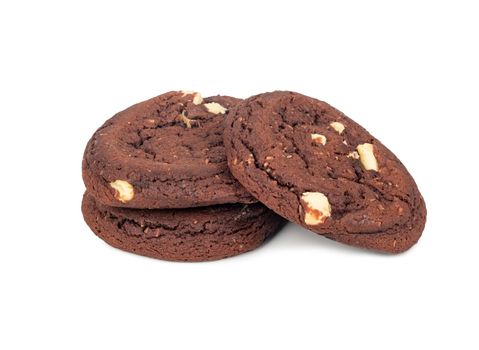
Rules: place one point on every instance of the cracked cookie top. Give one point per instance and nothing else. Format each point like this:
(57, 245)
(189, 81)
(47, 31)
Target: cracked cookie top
(316, 167)
(166, 152)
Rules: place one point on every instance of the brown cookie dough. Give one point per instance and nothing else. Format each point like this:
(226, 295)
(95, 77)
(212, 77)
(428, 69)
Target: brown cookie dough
(166, 152)
(198, 234)
(316, 167)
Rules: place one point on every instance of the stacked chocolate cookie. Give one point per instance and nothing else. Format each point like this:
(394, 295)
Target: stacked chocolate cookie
(159, 183)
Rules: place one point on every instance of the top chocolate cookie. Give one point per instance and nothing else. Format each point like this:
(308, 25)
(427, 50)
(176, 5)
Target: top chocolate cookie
(166, 152)
(314, 166)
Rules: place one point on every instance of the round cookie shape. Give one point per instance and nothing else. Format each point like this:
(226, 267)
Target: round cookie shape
(196, 234)
(316, 167)
(166, 152)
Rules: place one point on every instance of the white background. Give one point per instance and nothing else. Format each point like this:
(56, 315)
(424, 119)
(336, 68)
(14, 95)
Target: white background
(407, 72)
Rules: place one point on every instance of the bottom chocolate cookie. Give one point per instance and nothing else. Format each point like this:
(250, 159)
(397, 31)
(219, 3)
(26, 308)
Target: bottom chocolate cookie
(197, 234)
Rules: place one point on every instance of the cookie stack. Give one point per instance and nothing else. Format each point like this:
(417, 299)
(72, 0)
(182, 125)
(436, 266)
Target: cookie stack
(179, 177)
(158, 183)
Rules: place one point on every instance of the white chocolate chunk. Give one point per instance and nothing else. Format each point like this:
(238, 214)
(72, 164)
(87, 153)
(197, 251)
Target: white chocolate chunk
(366, 156)
(339, 127)
(197, 99)
(215, 108)
(353, 155)
(316, 208)
(318, 138)
(124, 191)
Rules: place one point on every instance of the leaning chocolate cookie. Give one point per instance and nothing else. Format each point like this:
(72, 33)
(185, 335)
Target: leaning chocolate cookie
(197, 234)
(166, 152)
(316, 167)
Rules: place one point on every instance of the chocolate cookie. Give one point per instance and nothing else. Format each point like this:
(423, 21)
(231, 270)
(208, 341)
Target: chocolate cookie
(166, 152)
(197, 234)
(316, 167)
